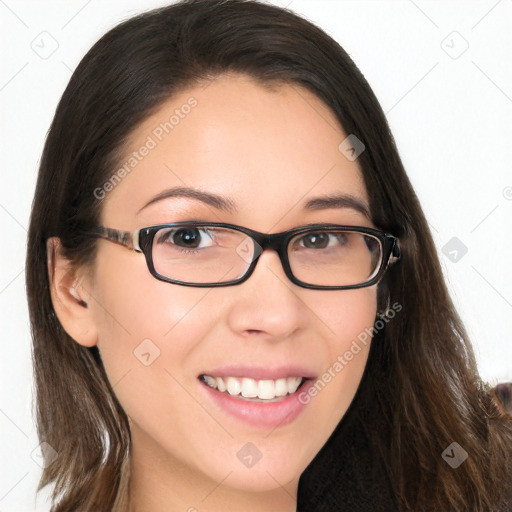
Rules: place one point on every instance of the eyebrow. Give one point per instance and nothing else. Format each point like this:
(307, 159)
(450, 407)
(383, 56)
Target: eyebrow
(218, 202)
(337, 201)
(323, 202)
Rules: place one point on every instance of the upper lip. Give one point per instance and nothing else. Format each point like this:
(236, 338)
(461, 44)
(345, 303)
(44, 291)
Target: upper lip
(261, 372)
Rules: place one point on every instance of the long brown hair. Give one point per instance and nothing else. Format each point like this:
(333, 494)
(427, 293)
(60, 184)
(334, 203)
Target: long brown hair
(420, 391)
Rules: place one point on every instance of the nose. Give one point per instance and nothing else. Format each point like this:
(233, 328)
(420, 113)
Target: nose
(267, 302)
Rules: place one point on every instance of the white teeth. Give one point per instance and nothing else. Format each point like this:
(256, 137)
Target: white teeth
(281, 387)
(220, 384)
(251, 388)
(233, 386)
(293, 383)
(266, 389)
(209, 380)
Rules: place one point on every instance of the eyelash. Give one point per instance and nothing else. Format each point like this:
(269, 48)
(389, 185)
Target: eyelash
(182, 250)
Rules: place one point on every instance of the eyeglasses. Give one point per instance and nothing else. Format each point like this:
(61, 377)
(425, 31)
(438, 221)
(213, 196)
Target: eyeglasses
(206, 254)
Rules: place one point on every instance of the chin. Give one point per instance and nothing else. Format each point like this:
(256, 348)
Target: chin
(257, 476)
(251, 481)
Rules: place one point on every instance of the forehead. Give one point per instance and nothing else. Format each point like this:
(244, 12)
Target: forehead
(266, 151)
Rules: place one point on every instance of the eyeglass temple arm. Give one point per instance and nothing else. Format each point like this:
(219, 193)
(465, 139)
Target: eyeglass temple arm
(129, 239)
(395, 252)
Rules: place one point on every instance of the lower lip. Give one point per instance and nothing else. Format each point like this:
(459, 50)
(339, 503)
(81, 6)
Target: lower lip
(260, 414)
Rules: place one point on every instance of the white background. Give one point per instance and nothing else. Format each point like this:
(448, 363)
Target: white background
(451, 118)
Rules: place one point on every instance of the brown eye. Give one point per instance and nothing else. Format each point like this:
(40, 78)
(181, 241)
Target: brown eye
(187, 237)
(315, 240)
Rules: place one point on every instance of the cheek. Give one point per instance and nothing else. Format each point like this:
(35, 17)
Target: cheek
(346, 313)
(148, 332)
(144, 323)
(349, 321)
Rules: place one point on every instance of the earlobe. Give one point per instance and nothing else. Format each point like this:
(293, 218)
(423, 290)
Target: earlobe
(70, 297)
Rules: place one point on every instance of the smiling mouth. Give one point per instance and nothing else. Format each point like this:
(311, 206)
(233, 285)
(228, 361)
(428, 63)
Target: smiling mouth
(245, 388)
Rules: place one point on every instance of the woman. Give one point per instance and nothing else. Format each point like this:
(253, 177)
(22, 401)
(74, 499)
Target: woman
(235, 299)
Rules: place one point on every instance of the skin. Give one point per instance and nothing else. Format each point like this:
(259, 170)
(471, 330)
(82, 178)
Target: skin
(268, 151)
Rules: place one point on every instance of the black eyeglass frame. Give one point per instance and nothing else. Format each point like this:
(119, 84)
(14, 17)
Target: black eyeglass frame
(141, 240)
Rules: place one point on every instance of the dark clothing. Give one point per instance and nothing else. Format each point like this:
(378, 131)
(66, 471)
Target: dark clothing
(346, 476)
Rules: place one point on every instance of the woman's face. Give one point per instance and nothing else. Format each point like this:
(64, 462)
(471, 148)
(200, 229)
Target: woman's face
(266, 153)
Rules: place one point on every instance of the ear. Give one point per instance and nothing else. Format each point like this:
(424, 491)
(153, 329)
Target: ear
(69, 296)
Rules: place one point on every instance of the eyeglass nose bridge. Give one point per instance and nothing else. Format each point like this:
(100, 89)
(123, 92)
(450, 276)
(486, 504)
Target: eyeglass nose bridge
(260, 241)
(275, 241)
